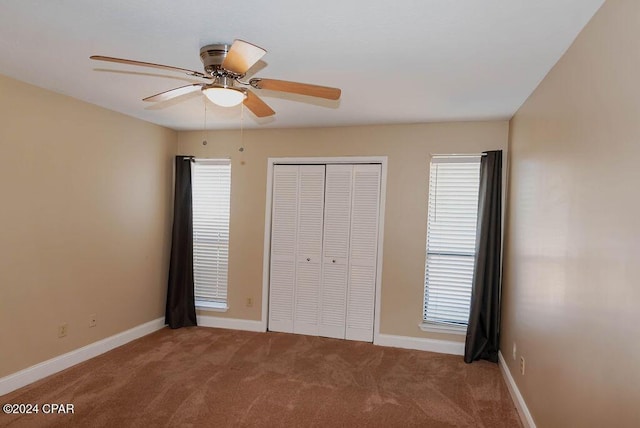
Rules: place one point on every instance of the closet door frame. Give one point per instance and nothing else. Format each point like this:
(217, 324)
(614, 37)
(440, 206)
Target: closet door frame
(266, 265)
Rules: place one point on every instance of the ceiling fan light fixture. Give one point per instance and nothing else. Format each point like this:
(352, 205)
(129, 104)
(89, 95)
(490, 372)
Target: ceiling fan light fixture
(224, 97)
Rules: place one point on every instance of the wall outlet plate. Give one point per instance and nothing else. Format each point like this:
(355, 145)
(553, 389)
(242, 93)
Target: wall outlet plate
(522, 366)
(93, 320)
(514, 354)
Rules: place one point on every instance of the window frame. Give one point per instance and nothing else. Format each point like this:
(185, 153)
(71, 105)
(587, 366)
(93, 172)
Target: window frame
(444, 326)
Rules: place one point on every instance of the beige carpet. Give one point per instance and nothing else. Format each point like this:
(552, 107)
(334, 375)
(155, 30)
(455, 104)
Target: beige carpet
(205, 377)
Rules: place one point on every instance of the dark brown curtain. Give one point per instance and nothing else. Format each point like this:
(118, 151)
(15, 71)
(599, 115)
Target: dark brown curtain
(181, 309)
(483, 333)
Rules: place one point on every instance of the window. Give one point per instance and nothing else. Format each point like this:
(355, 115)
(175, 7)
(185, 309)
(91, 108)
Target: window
(451, 238)
(211, 181)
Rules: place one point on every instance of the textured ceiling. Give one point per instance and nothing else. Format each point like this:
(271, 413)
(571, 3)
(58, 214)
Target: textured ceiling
(397, 61)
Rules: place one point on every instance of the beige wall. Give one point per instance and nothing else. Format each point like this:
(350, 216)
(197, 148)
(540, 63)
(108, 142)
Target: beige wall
(408, 148)
(85, 199)
(572, 277)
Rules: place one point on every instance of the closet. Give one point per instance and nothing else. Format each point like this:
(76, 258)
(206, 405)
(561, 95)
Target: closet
(324, 238)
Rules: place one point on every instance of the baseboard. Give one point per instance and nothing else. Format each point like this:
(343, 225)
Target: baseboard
(64, 361)
(230, 323)
(521, 406)
(421, 344)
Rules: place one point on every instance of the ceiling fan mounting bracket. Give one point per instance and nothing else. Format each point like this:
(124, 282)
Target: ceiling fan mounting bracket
(255, 83)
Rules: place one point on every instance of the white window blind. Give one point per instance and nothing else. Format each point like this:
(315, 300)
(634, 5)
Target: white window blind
(451, 237)
(211, 190)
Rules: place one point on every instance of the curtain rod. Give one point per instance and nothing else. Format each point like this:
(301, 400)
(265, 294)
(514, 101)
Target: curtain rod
(431, 154)
(454, 155)
(193, 158)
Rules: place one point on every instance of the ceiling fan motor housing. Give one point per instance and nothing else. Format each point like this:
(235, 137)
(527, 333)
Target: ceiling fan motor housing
(212, 57)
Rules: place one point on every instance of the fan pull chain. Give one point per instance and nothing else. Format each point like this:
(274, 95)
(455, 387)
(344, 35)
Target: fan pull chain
(241, 149)
(204, 127)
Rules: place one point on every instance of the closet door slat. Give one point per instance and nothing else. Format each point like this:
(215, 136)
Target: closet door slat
(284, 233)
(337, 212)
(309, 248)
(363, 252)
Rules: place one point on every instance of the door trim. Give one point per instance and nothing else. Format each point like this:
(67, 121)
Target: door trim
(382, 160)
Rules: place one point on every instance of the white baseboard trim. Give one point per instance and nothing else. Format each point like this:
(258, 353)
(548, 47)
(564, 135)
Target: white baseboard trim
(521, 406)
(230, 323)
(421, 344)
(46, 368)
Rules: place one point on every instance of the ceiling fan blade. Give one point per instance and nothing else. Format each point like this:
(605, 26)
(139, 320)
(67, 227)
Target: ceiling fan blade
(149, 64)
(297, 88)
(175, 92)
(241, 56)
(257, 106)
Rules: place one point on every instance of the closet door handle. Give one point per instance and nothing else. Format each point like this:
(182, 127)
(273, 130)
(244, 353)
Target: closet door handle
(333, 261)
(308, 259)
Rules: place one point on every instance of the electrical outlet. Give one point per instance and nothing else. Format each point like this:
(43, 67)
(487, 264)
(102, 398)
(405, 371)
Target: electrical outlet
(63, 329)
(249, 302)
(514, 351)
(522, 365)
(93, 320)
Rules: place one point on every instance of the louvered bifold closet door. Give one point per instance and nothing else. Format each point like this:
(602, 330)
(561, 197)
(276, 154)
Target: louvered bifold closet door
(309, 249)
(284, 231)
(337, 213)
(363, 252)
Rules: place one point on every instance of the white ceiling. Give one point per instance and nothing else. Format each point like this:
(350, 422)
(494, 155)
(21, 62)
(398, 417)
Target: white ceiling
(401, 61)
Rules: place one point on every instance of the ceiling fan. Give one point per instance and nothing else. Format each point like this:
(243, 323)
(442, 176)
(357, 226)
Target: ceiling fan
(224, 68)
